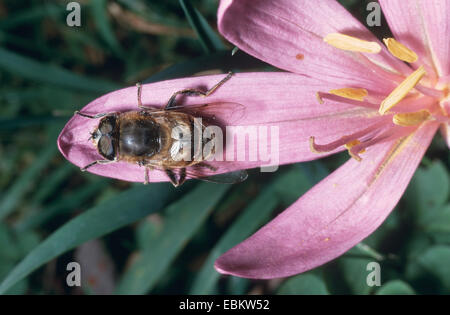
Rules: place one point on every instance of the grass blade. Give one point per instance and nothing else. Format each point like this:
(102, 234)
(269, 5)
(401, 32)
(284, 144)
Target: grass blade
(210, 41)
(254, 215)
(20, 187)
(186, 216)
(104, 26)
(116, 212)
(34, 70)
(74, 200)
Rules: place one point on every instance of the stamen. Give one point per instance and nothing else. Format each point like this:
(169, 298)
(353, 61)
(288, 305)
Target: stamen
(351, 93)
(319, 97)
(312, 146)
(351, 144)
(430, 91)
(400, 51)
(347, 139)
(411, 119)
(388, 135)
(350, 43)
(401, 90)
(380, 71)
(370, 101)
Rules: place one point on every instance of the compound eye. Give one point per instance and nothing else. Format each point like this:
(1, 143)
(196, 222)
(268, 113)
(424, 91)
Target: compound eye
(106, 147)
(107, 125)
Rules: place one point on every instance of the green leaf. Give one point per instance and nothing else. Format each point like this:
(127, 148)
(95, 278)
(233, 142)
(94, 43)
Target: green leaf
(395, 287)
(75, 199)
(22, 184)
(355, 274)
(184, 218)
(48, 73)
(436, 223)
(20, 287)
(304, 284)
(116, 212)
(9, 250)
(32, 15)
(222, 60)
(429, 188)
(237, 285)
(435, 261)
(300, 179)
(253, 216)
(104, 26)
(210, 41)
(52, 182)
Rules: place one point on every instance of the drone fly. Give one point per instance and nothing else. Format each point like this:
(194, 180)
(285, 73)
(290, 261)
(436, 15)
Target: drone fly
(154, 138)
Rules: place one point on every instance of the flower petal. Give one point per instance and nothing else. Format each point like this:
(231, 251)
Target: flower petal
(289, 35)
(424, 27)
(280, 100)
(334, 215)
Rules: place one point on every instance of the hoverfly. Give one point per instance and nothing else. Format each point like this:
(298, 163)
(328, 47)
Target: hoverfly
(148, 137)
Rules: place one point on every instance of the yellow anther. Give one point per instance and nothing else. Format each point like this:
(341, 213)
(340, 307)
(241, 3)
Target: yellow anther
(411, 119)
(400, 51)
(349, 145)
(346, 42)
(312, 145)
(319, 98)
(401, 90)
(351, 93)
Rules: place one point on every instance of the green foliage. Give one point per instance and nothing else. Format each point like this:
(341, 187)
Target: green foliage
(183, 219)
(305, 284)
(395, 287)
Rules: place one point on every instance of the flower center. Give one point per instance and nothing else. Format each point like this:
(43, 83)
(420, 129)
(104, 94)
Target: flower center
(417, 98)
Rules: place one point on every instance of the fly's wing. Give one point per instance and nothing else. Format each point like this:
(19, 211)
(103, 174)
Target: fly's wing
(220, 112)
(220, 174)
(227, 178)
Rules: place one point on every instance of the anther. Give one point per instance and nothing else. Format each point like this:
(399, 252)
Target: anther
(411, 119)
(400, 51)
(350, 43)
(401, 90)
(351, 93)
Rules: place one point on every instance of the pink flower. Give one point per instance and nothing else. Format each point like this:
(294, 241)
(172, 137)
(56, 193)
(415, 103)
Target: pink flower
(269, 99)
(383, 105)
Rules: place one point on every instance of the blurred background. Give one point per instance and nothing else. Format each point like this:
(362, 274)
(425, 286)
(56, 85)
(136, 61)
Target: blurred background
(131, 238)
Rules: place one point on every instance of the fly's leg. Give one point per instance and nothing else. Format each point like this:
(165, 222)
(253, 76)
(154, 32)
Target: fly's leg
(93, 116)
(147, 170)
(83, 169)
(196, 92)
(206, 165)
(139, 99)
(139, 94)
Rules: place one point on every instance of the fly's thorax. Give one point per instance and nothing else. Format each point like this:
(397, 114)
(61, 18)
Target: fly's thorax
(139, 136)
